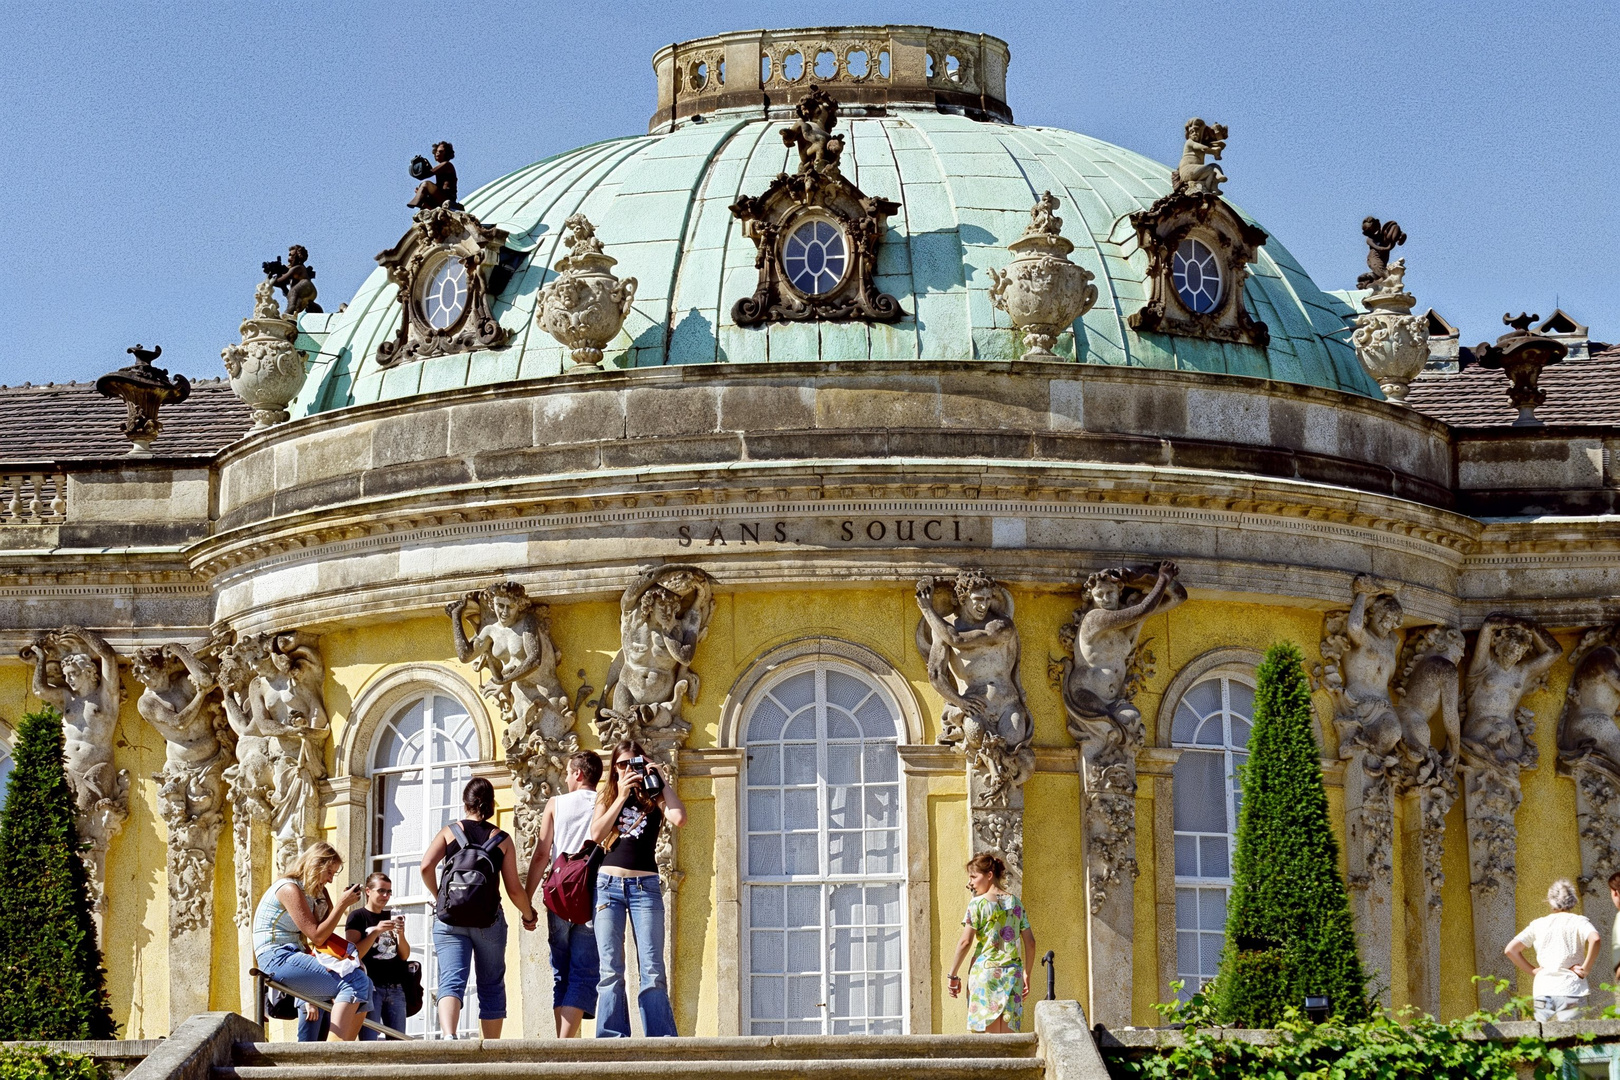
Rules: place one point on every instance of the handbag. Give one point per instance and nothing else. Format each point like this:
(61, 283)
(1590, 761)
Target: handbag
(278, 1004)
(569, 887)
(413, 988)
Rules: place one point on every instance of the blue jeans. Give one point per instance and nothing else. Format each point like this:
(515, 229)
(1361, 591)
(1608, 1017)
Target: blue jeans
(574, 965)
(318, 1029)
(294, 968)
(641, 901)
(388, 1002)
(461, 949)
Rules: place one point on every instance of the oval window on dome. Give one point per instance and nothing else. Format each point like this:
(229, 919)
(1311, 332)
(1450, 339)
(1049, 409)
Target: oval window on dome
(815, 257)
(444, 297)
(1197, 274)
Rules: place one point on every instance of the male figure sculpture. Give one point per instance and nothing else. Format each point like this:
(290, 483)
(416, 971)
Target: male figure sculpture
(1509, 657)
(1428, 688)
(972, 651)
(87, 694)
(663, 616)
(1586, 730)
(1366, 716)
(514, 648)
(1103, 638)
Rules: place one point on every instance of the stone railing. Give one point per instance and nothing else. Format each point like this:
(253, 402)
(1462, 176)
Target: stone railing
(33, 497)
(870, 65)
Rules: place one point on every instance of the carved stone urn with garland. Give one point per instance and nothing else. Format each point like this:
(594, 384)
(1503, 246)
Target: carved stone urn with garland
(1041, 291)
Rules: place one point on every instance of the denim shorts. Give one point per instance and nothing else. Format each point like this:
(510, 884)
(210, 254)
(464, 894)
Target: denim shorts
(461, 950)
(1558, 1007)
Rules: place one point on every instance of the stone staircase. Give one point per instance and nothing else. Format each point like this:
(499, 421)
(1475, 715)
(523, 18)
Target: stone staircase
(847, 1057)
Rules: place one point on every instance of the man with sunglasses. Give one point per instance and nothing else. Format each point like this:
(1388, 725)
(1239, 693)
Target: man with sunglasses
(384, 950)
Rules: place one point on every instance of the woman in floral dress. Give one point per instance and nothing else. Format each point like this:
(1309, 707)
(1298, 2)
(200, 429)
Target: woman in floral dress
(993, 930)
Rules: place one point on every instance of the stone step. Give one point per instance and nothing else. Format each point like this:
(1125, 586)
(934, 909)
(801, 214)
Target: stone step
(461, 1053)
(888, 1068)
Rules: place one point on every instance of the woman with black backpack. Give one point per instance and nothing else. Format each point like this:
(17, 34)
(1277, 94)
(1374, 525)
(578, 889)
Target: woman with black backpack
(469, 928)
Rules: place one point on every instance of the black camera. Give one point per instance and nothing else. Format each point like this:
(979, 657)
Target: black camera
(652, 784)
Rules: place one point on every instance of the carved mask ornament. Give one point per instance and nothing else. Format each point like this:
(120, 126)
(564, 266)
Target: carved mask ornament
(816, 233)
(443, 267)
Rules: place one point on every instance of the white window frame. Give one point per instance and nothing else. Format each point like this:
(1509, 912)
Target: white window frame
(821, 665)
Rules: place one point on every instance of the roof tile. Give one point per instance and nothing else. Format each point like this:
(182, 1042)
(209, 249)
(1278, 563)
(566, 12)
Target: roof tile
(70, 421)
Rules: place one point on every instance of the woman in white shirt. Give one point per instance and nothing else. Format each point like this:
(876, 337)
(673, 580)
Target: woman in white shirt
(1566, 947)
(563, 827)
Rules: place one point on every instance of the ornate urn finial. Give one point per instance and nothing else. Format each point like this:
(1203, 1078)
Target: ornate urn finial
(1523, 353)
(1382, 238)
(585, 305)
(1041, 291)
(295, 278)
(143, 388)
(266, 370)
(1193, 175)
(1391, 343)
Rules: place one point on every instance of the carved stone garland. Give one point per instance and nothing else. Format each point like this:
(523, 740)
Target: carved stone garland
(76, 672)
(1098, 679)
(1589, 752)
(663, 615)
(436, 236)
(512, 647)
(179, 701)
(817, 192)
(1194, 210)
(967, 636)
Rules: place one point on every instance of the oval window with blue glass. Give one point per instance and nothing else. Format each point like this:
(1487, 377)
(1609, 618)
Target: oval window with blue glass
(815, 257)
(1197, 274)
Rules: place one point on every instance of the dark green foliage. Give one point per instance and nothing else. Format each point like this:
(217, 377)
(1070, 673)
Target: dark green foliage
(1288, 926)
(39, 1063)
(52, 985)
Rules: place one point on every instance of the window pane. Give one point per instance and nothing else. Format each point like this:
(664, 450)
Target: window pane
(765, 857)
(1186, 856)
(1212, 857)
(767, 951)
(882, 762)
(797, 692)
(1186, 909)
(1212, 909)
(764, 811)
(1204, 698)
(1185, 723)
(1211, 732)
(844, 851)
(876, 719)
(882, 807)
(767, 996)
(843, 807)
(1200, 792)
(1209, 953)
(802, 726)
(804, 905)
(1242, 699)
(799, 764)
(883, 904)
(840, 725)
(844, 764)
(1240, 732)
(766, 725)
(804, 1000)
(844, 905)
(845, 691)
(804, 950)
(800, 854)
(764, 765)
(799, 809)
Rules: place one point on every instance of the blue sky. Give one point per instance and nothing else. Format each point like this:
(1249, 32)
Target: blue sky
(160, 152)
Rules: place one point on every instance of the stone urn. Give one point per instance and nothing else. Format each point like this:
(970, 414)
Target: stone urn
(585, 305)
(1522, 354)
(143, 389)
(266, 370)
(1392, 343)
(1041, 291)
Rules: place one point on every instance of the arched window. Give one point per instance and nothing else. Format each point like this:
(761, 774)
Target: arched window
(1211, 724)
(421, 758)
(824, 863)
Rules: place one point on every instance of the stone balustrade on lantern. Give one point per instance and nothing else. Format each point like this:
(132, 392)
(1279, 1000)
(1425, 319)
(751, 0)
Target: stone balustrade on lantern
(33, 498)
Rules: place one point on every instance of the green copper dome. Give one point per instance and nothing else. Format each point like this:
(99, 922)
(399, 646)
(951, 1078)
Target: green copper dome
(965, 186)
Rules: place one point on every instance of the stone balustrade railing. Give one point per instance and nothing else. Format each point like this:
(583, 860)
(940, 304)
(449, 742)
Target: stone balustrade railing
(33, 498)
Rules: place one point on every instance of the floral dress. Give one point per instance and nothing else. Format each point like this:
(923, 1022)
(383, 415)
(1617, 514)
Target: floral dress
(996, 977)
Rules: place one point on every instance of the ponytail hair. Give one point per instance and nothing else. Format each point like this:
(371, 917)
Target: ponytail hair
(988, 862)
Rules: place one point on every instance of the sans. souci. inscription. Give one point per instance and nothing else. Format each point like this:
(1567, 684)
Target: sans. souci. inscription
(862, 531)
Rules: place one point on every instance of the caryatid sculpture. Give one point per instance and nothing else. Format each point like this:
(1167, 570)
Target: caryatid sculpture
(76, 672)
(1589, 751)
(511, 645)
(967, 636)
(178, 701)
(1511, 658)
(1362, 650)
(663, 616)
(272, 698)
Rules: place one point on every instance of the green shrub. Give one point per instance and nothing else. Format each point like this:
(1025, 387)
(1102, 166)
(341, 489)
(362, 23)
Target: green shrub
(1289, 930)
(52, 985)
(40, 1063)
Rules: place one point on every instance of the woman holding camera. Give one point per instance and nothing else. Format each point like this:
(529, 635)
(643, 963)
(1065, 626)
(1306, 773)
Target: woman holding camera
(630, 811)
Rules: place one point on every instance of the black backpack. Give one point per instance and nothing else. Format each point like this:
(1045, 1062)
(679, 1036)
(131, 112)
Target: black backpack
(468, 894)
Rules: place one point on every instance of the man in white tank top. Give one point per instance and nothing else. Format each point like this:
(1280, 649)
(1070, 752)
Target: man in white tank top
(563, 828)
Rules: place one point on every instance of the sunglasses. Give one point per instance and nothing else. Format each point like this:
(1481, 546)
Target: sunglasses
(383, 892)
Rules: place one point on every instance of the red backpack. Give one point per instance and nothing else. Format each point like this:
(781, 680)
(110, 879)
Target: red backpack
(569, 886)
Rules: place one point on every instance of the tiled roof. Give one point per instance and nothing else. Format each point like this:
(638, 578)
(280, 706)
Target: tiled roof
(1578, 392)
(68, 421)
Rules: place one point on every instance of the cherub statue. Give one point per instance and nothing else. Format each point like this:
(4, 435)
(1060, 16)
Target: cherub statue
(1193, 175)
(76, 671)
(579, 235)
(295, 278)
(663, 616)
(967, 636)
(1383, 237)
(178, 701)
(1510, 657)
(1428, 687)
(1586, 729)
(438, 186)
(1363, 646)
(1043, 216)
(819, 148)
(515, 650)
(1096, 678)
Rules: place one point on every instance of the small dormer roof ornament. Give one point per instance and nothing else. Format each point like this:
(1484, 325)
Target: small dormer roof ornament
(1199, 250)
(143, 388)
(816, 234)
(1041, 291)
(1383, 237)
(1522, 353)
(443, 267)
(296, 280)
(585, 305)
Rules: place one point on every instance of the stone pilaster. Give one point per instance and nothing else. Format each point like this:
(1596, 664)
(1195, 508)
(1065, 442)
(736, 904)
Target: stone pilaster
(1369, 814)
(1423, 827)
(1490, 797)
(1108, 797)
(1597, 820)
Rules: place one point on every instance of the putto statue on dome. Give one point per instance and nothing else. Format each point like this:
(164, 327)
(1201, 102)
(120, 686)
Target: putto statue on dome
(1383, 237)
(295, 278)
(819, 148)
(1193, 174)
(438, 179)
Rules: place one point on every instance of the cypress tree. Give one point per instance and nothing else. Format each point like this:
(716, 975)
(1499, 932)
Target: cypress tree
(52, 985)
(1289, 930)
